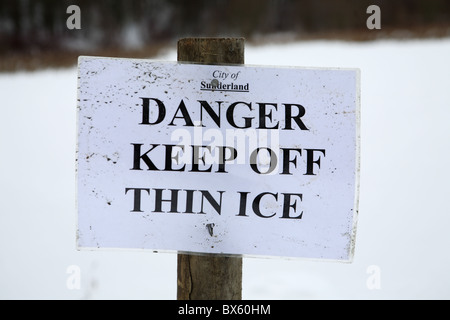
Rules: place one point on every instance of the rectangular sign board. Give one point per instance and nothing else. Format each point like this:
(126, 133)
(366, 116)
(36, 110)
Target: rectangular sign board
(234, 160)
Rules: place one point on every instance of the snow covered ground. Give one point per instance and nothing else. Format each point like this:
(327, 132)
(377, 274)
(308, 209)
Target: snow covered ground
(404, 219)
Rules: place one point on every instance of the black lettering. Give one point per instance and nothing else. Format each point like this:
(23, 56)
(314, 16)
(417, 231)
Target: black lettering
(297, 118)
(287, 205)
(196, 158)
(189, 201)
(216, 205)
(137, 157)
(214, 116)
(223, 158)
(243, 204)
(263, 115)
(146, 111)
(173, 200)
(170, 157)
(137, 198)
(257, 204)
(287, 160)
(230, 116)
(254, 161)
(310, 161)
(185, 115)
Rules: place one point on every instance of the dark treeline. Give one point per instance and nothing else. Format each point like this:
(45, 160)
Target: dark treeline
(39, 25)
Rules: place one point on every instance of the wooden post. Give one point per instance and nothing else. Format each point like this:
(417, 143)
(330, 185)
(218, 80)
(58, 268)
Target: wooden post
(210, 277)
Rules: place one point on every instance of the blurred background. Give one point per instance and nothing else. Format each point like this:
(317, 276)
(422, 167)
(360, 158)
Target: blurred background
(404, 216)
(33, 33)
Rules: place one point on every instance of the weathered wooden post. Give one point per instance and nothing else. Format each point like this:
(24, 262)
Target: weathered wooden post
(210, 277)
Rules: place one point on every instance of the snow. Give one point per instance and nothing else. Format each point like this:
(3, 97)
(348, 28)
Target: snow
(404, 211)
